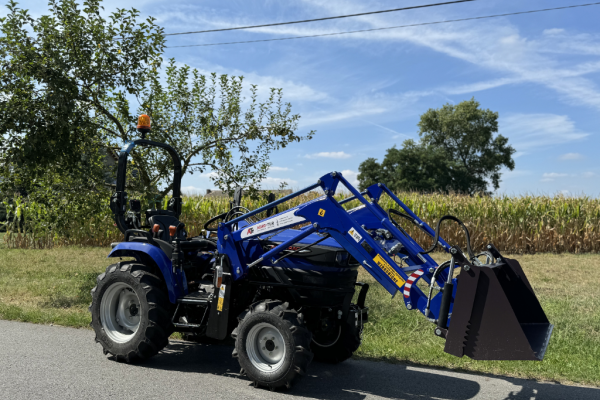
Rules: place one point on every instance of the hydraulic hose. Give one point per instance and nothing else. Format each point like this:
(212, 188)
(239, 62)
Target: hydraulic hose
(437, 235)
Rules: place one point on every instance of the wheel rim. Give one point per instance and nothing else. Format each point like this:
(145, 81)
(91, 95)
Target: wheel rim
(120, 312)
(265, 347)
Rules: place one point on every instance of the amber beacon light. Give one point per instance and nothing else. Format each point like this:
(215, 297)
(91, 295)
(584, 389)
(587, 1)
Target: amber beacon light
(143, 125)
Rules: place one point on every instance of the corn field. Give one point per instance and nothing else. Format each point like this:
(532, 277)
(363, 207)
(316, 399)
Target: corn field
(527, 224)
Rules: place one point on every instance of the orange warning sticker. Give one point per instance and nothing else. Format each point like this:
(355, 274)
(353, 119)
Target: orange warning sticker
(389, 271)
(221, 298)
(321, 212)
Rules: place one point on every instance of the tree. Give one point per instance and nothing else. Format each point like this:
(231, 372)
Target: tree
(466, 133)
(457, 152)
(70, 81)
(413, 167)
(205, 119)
(56, 71)
(369, 173)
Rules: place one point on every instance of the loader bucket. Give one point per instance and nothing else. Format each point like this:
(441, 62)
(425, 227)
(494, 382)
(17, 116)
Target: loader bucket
(496, 315)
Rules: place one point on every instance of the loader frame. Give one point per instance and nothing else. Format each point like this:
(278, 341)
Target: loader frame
(349, 228)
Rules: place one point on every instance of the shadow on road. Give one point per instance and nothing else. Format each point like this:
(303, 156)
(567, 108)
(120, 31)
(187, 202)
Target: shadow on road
(354, 380)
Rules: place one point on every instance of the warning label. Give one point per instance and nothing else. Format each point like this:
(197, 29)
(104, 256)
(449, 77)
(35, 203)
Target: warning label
(389, 271)
(221, 298)
(355, 235)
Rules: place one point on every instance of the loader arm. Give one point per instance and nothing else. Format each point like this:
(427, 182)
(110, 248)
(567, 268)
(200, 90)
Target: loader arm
(349, 228)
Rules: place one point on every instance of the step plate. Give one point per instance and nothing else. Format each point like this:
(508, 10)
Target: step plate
(199, 297)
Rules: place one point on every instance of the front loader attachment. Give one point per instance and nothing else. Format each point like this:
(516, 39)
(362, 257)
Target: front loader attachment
(496, 314)
(488, 312)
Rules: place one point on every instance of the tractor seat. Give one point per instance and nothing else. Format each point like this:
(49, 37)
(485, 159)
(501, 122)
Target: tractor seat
(163, 221)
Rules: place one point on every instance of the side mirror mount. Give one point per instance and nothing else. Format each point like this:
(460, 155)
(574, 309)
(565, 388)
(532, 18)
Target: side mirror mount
(237, 197)
(135, 206)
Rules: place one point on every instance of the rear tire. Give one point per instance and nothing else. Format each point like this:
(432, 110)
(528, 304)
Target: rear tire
(271, 344)
(130, 312)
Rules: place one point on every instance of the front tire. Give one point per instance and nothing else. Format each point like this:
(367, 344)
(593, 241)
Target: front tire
(271, 344)
(130, 312)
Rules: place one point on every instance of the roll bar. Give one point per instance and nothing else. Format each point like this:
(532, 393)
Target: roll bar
(118, 201)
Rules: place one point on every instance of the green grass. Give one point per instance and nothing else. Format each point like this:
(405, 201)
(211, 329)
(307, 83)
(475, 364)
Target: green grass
(569, 292)
(52, 286)
(49, 286)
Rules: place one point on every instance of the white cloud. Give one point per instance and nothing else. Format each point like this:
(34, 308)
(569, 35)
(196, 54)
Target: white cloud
(273, 183)
(272, 168)
(554, 31)
(590, 174)
(191, 190)
(364, 106)
(292, 90)
(496, 46)
(351, 176)
(515, 173)
(397, 135)
(329, 154)
(551, 176)
(212, 174)
(531, 131)
(572, 156)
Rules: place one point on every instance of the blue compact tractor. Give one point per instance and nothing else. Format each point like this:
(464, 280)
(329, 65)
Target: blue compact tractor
(284, 285)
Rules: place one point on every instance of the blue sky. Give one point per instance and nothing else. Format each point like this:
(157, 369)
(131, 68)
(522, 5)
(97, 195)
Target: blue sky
(364, 92)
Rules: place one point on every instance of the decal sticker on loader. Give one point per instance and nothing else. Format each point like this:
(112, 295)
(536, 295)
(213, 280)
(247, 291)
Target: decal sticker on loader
(269, 225)
(221, 298)
(321, 212)
(355, 235)
(389, 271)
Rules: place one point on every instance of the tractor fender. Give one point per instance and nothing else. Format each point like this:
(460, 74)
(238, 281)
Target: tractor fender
(146, 253)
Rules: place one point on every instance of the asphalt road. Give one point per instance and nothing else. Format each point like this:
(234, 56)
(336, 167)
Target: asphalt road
(46, 362)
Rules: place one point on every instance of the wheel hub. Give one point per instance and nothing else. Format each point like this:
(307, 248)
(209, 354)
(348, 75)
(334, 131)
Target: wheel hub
(133, 310)
(265, 347)
(119, 312)
(270, 345)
